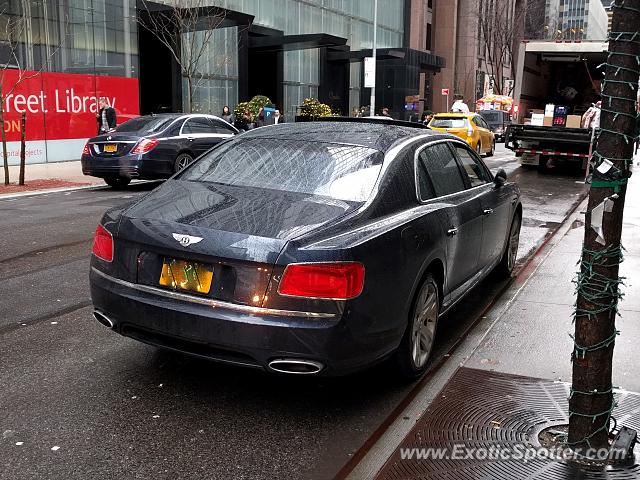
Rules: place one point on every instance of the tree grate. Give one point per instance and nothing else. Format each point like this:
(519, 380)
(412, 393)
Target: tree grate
(482, 409)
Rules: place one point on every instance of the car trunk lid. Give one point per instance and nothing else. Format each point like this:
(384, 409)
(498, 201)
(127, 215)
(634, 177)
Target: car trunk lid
(239, 231)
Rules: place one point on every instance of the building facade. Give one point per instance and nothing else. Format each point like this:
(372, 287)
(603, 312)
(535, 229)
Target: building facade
(57, 57)
(63, 55)
(464, 33)
(567, 20)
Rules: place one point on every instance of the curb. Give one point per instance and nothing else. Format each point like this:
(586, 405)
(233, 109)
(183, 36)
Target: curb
(32, 193)
(526, 269)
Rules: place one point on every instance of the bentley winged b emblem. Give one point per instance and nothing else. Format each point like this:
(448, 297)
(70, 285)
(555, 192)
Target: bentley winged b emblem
(186, 240)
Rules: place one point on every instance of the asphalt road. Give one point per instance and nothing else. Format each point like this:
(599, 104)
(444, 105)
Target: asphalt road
(78, 401)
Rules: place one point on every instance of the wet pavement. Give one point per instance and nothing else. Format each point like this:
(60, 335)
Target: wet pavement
(120, 409)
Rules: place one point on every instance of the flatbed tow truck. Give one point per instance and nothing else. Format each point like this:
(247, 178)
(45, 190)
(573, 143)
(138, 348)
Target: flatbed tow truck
(561, 73)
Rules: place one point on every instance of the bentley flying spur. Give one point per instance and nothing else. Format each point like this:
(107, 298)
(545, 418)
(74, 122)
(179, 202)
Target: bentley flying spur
(307, 248)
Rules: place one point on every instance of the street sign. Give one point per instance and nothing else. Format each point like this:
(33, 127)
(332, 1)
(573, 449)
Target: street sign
(445, 91)
(369, 72)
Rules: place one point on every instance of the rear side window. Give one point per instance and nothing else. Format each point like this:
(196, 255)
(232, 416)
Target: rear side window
(222, 127)
(438, 172)
(198, 125)
(474, 170)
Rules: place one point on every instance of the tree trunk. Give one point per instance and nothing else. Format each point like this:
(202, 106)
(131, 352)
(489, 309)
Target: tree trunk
(23, 123)
(190, 83)
(3, 134)
(591, 400)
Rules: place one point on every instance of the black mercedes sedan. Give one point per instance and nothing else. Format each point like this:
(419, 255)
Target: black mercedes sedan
(307, 248)
(152, 146)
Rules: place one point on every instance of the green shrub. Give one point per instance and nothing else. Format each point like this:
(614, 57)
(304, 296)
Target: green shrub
(253, 105)
(311, 107)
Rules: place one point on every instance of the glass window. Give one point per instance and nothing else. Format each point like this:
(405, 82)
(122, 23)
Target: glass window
(198, 125)
(343, 172)
(474, 170)
(441, 166)
(222, 127)
(425, 187)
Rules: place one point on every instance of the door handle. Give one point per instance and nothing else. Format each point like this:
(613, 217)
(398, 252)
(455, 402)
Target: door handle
(452, 232)
(487, 211)
(191, 139)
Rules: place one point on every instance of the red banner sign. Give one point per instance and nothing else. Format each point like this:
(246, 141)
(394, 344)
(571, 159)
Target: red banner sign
(62, 105)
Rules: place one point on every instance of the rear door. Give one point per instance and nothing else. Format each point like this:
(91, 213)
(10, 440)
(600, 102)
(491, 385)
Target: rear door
(496, 204)
(485, 133)
(440, 179)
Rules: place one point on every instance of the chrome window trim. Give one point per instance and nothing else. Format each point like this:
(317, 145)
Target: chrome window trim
(210, 302)
(415, 173)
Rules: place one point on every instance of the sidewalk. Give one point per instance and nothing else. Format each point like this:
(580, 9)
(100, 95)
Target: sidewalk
(53, 176)
(511, 377)
(47, 177)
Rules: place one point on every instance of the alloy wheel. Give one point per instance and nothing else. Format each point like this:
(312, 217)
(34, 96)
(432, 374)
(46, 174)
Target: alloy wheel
(183, 161)
(423, 328)
(514, 242)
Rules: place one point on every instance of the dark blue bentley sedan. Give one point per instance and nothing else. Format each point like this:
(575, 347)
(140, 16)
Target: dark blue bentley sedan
(307, 248)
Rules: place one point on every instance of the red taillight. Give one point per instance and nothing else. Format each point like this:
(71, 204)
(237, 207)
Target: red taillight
(86, 150)
(338, 281)
(144, 145)
(103, 244)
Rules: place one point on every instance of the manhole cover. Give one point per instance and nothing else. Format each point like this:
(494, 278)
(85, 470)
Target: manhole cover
(479, 422)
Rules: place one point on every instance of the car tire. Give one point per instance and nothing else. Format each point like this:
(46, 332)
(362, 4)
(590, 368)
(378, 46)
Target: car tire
(117, 182)
(412, 356)
(493, 146)
(182, 160)
(510, 255)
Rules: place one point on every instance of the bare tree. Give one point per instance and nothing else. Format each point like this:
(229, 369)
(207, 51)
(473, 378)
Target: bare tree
(14, 28)
(498, 23)
(185, 28)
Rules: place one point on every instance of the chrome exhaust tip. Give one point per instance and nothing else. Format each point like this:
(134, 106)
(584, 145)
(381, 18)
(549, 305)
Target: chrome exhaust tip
(295, 366)
(103, 319)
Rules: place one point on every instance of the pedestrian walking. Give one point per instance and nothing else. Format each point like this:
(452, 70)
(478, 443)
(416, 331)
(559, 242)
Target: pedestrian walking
(106, 117)
(260, 118)
(245, 122)
(226, 115)
(277, 117)
(427, 115)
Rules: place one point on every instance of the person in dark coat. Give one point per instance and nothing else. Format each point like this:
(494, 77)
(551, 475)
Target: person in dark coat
(106, 117)
(226, 115)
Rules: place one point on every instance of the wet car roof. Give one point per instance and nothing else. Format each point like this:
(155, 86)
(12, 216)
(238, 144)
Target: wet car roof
(378, 136)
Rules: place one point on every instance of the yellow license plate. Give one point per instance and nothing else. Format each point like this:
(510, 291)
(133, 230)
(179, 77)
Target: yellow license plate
(110, 148)
(184, 275)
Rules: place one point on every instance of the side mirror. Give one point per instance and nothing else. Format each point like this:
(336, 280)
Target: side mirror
(500, 177)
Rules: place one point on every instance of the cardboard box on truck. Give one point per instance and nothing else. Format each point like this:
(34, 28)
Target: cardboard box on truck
(573, 121)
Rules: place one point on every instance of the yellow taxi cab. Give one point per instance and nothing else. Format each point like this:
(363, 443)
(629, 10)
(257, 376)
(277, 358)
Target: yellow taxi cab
(470, 127)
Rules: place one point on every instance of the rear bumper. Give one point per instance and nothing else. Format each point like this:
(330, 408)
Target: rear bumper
(130, 166)
(235, 334)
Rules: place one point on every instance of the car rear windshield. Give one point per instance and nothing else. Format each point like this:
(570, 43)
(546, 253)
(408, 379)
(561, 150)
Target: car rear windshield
(144, 124)
(449, 122)
(494, 118)
(343, 172)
